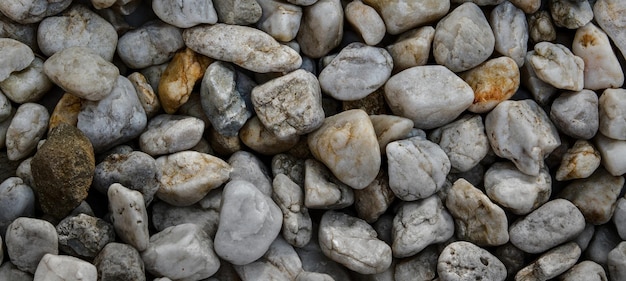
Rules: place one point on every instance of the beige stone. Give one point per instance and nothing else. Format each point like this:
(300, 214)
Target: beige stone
(66, 111)
(145, 93)
(412, 48)
(389, 128)
(254, 135)
(366, 22)
(579, 162)
(494, 81)
(528, 6)
(602, 69)
(402, 15)
(372, 201)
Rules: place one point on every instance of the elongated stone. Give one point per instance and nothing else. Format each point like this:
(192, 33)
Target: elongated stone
(366, 21)
(27, 127)
(321, 28)
(185, 13)
(129, 216)
(166, 134)
(400, 15)
(602, 69)
(510, 30)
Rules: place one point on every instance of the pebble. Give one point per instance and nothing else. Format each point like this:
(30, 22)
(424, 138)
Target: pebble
(357, 71)
(412, 48)
(422, 266)
(464, 141)
(28, 85)
(374, 200)
(243, 12)
(604, 240)
(185, 13)
(322, 190)
(297, 224)
(256, 136)
(280, 20)
(585, 271)
(25, 33)
(187, 176)
(222, 103)
(596, 196)
(8, 271)
(66, 111)
(510, 31)
(419, 224)
(63, 169)
(206, 217)
(521, 132)
(602, 68)
(619, 217)
(556, 65)
(542, 92)
(264, 55)
(289, 165)
(4, 126)
(284, 257)
(608, 14)
(465, 261)
(158, 43)
(118, 261)
(116, 119)
(189, 246)
(612, 111)
(553, 223)
(517, 192)
(617, 262)
(248, 167)
(321, 28)
(528, 6)
(129, 216)
(149, 100)
(27, 127)
(540, 27)
(289, 105)
(6, 109)
(576, 114)
(77, 26)
(28, 240)
(366, 22)
(390, 128)
(401, 15)
(82, 72)
(454, 44)
(32, 11)
(84, 235)
(59, 267)
(571, 14)
(16, 56)
(429, 104)
(610, 154)
(417, 168)
(16, 200)
(223, 145)
(166, 134)
(551, 264)
(352, 242)
(493, 81)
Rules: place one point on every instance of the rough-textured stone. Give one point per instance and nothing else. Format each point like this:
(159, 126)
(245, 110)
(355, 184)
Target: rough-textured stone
(571, 14)
(185, 13)
(556, 65)
(28, 240)
(494, 81)
(241, 12)
(466, 261)
(58, 267)
(83, 235)
(374, 200)
(158, 42)
(297, 224)
(119, 261)
(516, 191)
(551, 264)
(66, 111)
(256, 136)
(129, 215)
(464, 141)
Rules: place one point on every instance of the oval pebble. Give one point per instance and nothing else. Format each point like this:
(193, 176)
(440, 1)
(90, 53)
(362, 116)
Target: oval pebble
(465, 261)
(62, 267)
(28, 85)
(167, 134)
(28, 240)
(158, 40)
(185, 13)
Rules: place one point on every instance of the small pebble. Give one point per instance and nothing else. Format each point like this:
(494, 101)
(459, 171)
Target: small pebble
(390, 128)
(419, 224)
(517, 192)
(464, 141)
(189, 246)
(493, 81)
(28, 85)
(556, 65)
(612, 111)
(540, 27)
(571, 14)
(16, 200)
(158, 40)
(53, 267)
(243, 12)
(608, 15)
(185, 13)
(32, 11)
(206, 217)
(297, 224)
(602, 68)
(166, 134)
(322, 190)
(466, 261)
(619, 217)
(366, 22)
(610, 153)
(119, 261)
(257, 137)
(145, 93)
(542, 92)
(280, 20)
(412, 48)
(374, 200)
(585, 271)
(27, 127)
(321, 28)
(617, 262)
(400, 15)
(129, 216)
(576, 114)
(83, 235)
(28, 240)
(352, 242)
(551, 264)
(510, 31)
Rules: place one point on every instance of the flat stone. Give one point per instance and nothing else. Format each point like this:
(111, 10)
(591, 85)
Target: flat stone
(576, 113)
(610, 151)
(27, 127)
(322, 190)
(61, 267)
(321, 28)
(608, 14)
(257, 137)
(417, 168)
(206, 216)
(366, 21)
(187, 176)
(16, 200)
(289, 105)
(540, 26)
(65, 112)
(612, 111)
(119, 261)
(185, 13)
(435, 99)
(419, 224)
(148, 98)
(82, 72)
(241, 12)
(28, 85)
(357, 71)
(602, 68)
(510, 31)
(84, 235)
(297, 224)
(280, 20)
(493, 81)
(249, 223)
(77, 26)
(551, 264)
(476, 218)
(347, 144)
(464, 141)
(619, 217)
(248, 167)
(571, 14)
(595, 196)
(374, 200)
(63, 170)
(390, 128)
(521, 132)
(517, 192)
(551, 224)
(454, 44)
(352, 242)
(153, 43)
(264, 54)
(116, 119)
(466, 261)
(617, 262)
(180, 77)
(412, 48)
(400, 15)
(129, 216)
(223, 104)
(32, 11)
(585, 271)
(28, 240)
(167, 134)
(556, 65)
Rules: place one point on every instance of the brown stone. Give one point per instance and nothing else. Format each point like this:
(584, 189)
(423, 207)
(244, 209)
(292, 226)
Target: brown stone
(372, 201)
(66, 111)
(373, 104)
(223, 145)
(63, 169)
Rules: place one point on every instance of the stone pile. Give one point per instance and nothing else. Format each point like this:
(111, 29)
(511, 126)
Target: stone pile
(312, 140)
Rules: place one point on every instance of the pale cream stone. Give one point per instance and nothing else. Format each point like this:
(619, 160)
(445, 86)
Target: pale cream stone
(412, 48)
(366, 21)
(279, 19)
(602, 69)
(254, 135)
(556, 65)
(611, 152)
(321, 28)
(578, 162)
(390, 128)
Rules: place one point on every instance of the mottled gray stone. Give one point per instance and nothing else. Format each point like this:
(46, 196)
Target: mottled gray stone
(205, 216)
(5, 107)
(604, 240)
(510, 31)
(422, 266)
(185, 13)
(374, 200)
(59, 267)
(240, 12)
(571, 14)
(297, 224)
(16, 56)
(167, 134)
(32, 11)
(619, 217)
(248, 167)
(129, 216)
(466, 261)
(28, 126)
(84, 236)
(322, 190)
(135, 170)
(289, 165)
(321, 28)
(8, 271)
(119, 261)
(576, 114)
(314, 260)
(16, 200)
(25, 33)
(464, 141)
(284, 257)
(28, 240)
(153, 43)
(28, 85)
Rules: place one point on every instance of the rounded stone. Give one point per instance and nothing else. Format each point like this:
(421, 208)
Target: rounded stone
(254, 135)
(16, 56)
(516, 191)
(493, 81)
(28, 85)
(400, 15)
(464, 141)
(556, 65)
(185, 13)
(321, 28)
(16, 200)
(32, 11)
(602, 68)
(612, 112)
(28, 240)
(153, 43)
(167, 134)
(27, 127)
(366, 22)
(119, 261)
(510, 30)
(466, 261)
(576, 114)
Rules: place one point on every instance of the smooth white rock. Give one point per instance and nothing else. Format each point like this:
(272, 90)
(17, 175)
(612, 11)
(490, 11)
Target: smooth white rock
(28, 126)
(612, 110)
(611, 151)
(28, 240)
(15, 56)
(322, 190)
(412, 48)
(366, 21)
(129, 216)
(556, 65)
(28, 85)
(602, 69)
(609, 15)
(60, 268)
(280, 20)
(402, 15)
(185, 13)
(464, 141)
(516, 191)
(510, 31)
(465, 261)
(166, 134)
(321, 28)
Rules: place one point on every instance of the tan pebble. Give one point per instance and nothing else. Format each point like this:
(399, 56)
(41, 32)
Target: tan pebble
(256, 136)
(412, 48)
(145, 93)
(223, 145)
(180, 77)
(66, 111)
(493, 81)
(579, 162)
